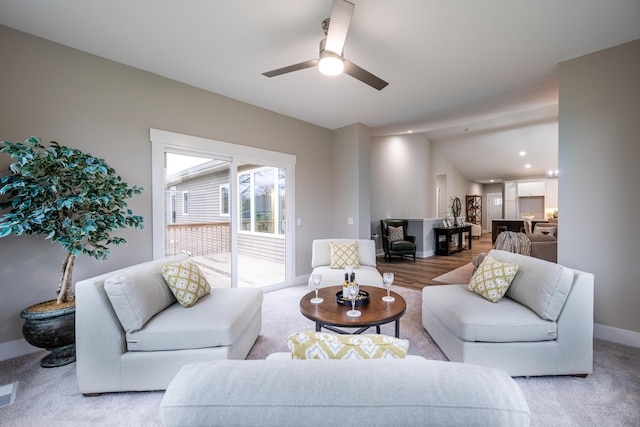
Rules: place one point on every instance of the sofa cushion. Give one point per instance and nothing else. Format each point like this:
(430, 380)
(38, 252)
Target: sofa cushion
(138, 295)
(472, 318)
(396, 233)
(380, 392)
(343, 255)
(320, 345)
(186, 282)
(217, 320)
(401, 245)
(540, 285)
(492, 279)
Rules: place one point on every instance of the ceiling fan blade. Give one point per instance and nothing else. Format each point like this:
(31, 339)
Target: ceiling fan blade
(339, 22)
(363, 75)
(290, 68)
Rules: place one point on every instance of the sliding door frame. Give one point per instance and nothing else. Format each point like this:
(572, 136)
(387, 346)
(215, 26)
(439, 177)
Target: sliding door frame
(162, 141)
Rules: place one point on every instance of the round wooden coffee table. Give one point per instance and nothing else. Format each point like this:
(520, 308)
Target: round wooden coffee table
(331, 315)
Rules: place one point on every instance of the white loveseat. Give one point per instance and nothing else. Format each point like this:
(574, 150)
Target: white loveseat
(543, 325)
(222, 325)
(374, 392)
(367, 274)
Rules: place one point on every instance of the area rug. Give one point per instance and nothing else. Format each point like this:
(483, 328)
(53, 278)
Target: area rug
(460, 275)
(49, 397)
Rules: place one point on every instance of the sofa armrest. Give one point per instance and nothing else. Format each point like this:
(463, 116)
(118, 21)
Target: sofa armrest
(546, 250)
(575, 327)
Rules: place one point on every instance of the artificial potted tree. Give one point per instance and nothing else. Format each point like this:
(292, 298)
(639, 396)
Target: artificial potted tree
(73, 199)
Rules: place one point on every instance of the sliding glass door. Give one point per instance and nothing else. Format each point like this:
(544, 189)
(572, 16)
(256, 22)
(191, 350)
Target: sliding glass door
(226, 209)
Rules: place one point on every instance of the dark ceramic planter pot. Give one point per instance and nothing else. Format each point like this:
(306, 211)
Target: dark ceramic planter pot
(53, 330)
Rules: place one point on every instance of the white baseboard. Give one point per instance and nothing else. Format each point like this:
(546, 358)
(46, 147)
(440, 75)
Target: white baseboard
(11, 349)
(620, 336)
(425, 254)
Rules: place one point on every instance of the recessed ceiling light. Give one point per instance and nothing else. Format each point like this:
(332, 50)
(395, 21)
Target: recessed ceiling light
(409, 131)
(523, 153)
(528, 166)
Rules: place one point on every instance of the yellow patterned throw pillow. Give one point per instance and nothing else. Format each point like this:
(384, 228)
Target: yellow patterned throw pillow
(320, 345)
(343, 255)
(186, 282)
(492, 278)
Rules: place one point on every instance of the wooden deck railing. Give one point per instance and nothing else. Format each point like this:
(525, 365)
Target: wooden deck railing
(199, 239)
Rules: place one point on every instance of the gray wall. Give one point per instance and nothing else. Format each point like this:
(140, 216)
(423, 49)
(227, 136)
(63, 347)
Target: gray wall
(599, 151)
(351, 182)
(106, 108)
(401, 182)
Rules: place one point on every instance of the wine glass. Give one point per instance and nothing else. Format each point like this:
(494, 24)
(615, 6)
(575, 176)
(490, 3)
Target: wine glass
(387, 279)
(354, 291)
(316, 279)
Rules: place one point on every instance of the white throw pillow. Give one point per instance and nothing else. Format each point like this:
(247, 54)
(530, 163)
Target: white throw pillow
(396, 233)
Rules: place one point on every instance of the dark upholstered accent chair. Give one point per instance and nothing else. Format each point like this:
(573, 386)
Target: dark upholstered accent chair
(406, 245)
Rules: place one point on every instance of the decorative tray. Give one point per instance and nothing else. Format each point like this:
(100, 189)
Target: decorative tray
(361, 299)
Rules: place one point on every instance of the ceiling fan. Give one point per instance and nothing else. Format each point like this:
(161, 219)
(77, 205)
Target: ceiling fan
(331, 60)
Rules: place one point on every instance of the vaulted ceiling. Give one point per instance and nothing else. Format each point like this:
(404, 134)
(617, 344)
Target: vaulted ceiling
(457, 70)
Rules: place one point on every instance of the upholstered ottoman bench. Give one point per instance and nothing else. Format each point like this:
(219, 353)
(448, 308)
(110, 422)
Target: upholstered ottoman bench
(373, 392)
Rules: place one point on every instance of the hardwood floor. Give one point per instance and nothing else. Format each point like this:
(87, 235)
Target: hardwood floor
(420, 273)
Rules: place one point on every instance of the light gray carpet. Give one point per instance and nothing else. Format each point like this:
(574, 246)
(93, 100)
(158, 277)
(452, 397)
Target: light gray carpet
(49, 397)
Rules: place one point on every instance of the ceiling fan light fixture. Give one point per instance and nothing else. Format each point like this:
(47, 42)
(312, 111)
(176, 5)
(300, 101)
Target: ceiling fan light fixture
(330, 64)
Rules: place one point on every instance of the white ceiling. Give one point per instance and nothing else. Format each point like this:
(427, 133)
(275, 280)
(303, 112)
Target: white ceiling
(450, 65)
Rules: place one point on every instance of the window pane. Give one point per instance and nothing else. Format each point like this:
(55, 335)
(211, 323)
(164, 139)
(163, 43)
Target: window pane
(281, 200)
(245, 201)
(263, 200)
(224, 199)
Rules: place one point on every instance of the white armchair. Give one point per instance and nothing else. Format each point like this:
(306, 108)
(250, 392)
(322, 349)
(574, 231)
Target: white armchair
(366, 275)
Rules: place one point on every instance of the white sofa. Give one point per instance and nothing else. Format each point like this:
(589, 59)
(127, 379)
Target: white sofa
(543, 325)
(222, 325)
(374, 392)
(367, 274)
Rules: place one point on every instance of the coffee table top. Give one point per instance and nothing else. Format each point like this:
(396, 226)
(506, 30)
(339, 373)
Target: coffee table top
(329, 312)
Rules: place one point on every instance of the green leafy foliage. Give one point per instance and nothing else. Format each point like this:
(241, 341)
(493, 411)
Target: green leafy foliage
(69, 196)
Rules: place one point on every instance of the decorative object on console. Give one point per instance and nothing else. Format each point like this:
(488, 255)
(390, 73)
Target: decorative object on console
(455, 206)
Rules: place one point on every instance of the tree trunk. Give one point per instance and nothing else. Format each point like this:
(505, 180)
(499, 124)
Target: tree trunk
(65, 288)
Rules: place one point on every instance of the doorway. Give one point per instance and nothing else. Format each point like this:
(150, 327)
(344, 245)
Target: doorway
(494, 211)
(226, 205)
